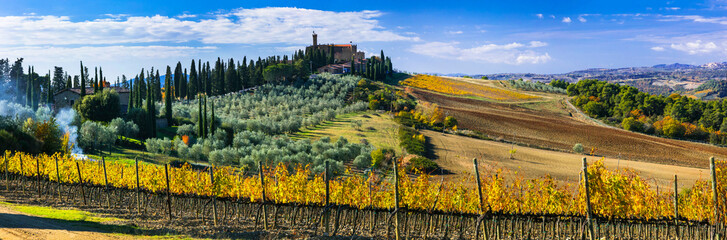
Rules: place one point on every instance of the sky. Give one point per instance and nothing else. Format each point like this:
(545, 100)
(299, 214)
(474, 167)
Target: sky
(470, 37)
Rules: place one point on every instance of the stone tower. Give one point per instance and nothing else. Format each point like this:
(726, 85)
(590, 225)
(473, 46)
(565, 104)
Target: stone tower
(315, 39)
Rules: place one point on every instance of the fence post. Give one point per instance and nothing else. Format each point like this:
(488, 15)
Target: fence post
(138, 190)
(714, 198)
(37, 171)
(326, 216)
(396, 199)
(676, 207)
(213, 196)
(482, 207)
(588, 200)
(169, 197)
(106, 183)
(80, 182)
(22, 175)
(7, 181)
(58, 175)
(262, 185)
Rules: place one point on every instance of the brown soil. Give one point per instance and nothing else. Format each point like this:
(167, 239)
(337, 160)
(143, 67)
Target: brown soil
(547, 129)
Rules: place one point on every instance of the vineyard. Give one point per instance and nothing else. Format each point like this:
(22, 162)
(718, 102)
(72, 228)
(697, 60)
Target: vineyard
(448, 86)
(619, 203)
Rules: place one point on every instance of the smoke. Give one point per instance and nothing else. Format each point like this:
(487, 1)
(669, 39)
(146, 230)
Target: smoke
(64, 119)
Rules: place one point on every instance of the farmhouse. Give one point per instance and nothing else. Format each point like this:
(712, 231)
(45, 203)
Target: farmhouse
(68, 97)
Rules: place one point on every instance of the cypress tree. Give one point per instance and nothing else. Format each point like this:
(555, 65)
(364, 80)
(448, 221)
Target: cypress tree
(168, 97)
(200, 119)
(158, 87)
(49, 96)
(150, 109)
(183, 89)
(83, 82)
(95, 80)
(212, 123)
(130, 105)
(101, 79)
(192, 89)
(231, 79)
(204, 130)
(177, 80)
(28, 88)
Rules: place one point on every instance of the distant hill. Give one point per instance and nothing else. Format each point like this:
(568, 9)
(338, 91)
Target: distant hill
(658, 79)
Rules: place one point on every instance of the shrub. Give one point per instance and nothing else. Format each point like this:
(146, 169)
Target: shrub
(103, 106)
(422, 164)
(411, 140)
(187, 129)
(124, 128)
(578, 148)
(94, 135)
(632, 124)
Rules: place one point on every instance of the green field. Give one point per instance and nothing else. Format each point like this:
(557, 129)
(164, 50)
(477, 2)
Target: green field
(379, 129)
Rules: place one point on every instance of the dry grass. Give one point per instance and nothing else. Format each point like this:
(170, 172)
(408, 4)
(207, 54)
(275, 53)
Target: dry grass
(455, 153)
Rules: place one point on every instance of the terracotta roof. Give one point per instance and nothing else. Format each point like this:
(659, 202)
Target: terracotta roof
(90, 90)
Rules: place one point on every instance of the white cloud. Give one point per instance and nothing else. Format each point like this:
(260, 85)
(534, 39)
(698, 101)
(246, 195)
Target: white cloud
(240, 26)
(695, 47)
(455, 32)
(536, 44)
(658, 49)
(696, 18)
(52, 53)
(566, 20)
(552, 16)
(185, 15)
(511, 53)
(539, 15)
(582, 19)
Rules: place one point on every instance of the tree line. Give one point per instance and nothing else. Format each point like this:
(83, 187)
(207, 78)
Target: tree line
(673, 116)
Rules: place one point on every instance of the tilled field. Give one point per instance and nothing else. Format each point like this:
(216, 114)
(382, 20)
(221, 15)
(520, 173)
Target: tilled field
(546, 129)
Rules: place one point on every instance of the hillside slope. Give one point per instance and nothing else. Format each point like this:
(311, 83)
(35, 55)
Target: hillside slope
(553, 130)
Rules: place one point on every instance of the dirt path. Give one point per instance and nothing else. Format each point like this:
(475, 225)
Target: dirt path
(17, 225)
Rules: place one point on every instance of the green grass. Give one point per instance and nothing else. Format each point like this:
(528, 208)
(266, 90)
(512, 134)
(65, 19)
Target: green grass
(126, 155)
(53, 213)
(378, 129)
(78, 218)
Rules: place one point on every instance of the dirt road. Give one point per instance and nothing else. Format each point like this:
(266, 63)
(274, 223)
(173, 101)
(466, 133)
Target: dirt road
(17, 225)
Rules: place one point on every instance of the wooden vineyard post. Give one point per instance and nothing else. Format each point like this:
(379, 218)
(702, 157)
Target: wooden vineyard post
(138, 190)
(262, 185)
(676, 208)
(714, 198)
(482, 207)
(588, 200)
(58, 175)
(169, 199)
(80, 183)
(37, 171)
(326, 214)
(213, 197)
(22, 175)
(396, 200)
(106, 183)
(7, 181)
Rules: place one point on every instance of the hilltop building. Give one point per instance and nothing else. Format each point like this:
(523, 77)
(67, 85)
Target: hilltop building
(68, 97)
(341, 52)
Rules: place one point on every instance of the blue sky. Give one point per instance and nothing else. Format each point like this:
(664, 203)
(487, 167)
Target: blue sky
(421, 36)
